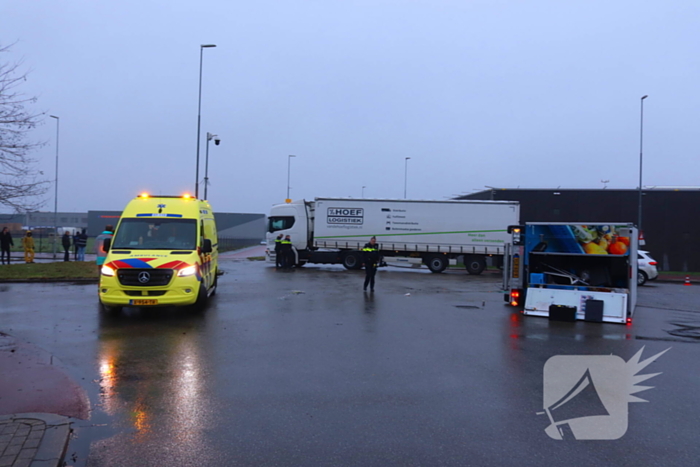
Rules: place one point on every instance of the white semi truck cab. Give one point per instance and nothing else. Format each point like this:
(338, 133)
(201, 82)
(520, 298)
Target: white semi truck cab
(433, 233)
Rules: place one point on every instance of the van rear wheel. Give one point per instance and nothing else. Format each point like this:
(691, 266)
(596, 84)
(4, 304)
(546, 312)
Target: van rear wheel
(216, 282)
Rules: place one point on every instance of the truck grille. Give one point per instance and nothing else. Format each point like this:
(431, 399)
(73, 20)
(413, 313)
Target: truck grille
(144, 277)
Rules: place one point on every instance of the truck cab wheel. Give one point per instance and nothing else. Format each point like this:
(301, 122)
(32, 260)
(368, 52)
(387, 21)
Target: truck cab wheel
(437, 263)
(352, 260)
(475, 264)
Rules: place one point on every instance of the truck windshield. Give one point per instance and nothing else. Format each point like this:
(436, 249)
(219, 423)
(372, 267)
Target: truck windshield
(156, 234)
(279, 223)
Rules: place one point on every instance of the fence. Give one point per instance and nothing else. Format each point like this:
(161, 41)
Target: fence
(228, 244)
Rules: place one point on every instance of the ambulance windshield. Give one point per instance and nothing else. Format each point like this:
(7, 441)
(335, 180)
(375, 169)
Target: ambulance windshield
(156, 233)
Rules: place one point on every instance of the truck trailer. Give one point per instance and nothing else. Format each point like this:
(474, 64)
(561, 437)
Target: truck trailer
(417, 232)
(573, 271)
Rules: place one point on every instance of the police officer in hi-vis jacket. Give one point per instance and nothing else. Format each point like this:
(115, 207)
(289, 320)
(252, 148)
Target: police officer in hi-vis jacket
(287, 253)
(371, 259)
(278, 251)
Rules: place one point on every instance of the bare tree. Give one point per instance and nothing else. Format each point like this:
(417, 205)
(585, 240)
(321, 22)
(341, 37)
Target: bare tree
(20, 186)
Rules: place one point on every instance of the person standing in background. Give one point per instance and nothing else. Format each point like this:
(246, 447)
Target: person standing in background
(81, 243)
(99, 246)
(28, 245)
(5, 244)
(75, 244)
(286, 253)
(278, 251)
(371, 252)
(65, 240)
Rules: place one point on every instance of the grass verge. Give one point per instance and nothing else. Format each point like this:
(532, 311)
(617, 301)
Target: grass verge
(51, 271)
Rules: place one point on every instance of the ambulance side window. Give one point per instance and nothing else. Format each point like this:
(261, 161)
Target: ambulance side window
(210, 230)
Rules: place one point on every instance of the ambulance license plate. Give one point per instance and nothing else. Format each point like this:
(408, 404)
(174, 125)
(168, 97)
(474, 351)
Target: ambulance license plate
(143, 302)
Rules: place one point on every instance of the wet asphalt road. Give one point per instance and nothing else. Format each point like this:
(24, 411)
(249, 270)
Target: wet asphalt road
(302, 368)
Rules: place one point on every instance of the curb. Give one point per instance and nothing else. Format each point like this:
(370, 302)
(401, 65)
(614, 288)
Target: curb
(33, 439)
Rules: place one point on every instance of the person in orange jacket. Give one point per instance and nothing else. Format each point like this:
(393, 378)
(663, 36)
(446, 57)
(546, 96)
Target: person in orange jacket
(28, 244)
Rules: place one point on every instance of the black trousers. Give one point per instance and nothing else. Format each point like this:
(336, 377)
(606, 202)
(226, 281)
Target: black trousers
(66, 255)
(5, 251)
(278, 258)
(370, 272)
(288, 259)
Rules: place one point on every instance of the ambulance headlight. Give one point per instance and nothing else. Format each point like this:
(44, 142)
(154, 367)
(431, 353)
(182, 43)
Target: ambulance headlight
(107, 271)
(188, 271)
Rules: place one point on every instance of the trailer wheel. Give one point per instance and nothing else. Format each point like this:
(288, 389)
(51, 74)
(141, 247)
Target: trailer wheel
(352, 260)
(437, 263)
(475, 264)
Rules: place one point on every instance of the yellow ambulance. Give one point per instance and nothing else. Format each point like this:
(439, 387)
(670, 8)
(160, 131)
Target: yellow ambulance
(164, 252)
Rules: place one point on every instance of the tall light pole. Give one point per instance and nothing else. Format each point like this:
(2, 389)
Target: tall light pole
(206, 161)
(199, 115)
(641, 140)
(405, 177)
(289, 171)
(55, 196)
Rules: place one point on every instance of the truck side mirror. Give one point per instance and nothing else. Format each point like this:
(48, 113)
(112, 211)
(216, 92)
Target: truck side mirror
(206, 246)
(106, 244)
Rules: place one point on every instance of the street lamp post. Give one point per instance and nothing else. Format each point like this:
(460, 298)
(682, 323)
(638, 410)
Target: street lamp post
(641, 140)
(405, 177)
(55, 196)
(199, 115)
(289, 171)
(206, 161)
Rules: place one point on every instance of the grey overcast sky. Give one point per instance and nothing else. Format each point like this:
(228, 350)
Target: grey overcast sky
(489, 92)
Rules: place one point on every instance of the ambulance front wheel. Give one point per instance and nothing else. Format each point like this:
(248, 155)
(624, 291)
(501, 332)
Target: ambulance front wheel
(202, 297)
(110, 309)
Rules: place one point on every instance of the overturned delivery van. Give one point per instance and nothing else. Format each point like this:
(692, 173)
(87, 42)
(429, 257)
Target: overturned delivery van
(164, 252)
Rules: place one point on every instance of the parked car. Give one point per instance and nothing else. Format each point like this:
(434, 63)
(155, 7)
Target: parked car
(646, 269)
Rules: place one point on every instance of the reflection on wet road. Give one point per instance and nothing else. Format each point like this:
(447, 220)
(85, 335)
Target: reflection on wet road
(303, 368)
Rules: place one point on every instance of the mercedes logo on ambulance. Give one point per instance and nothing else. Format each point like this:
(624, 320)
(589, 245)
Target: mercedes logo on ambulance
(144, 277)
